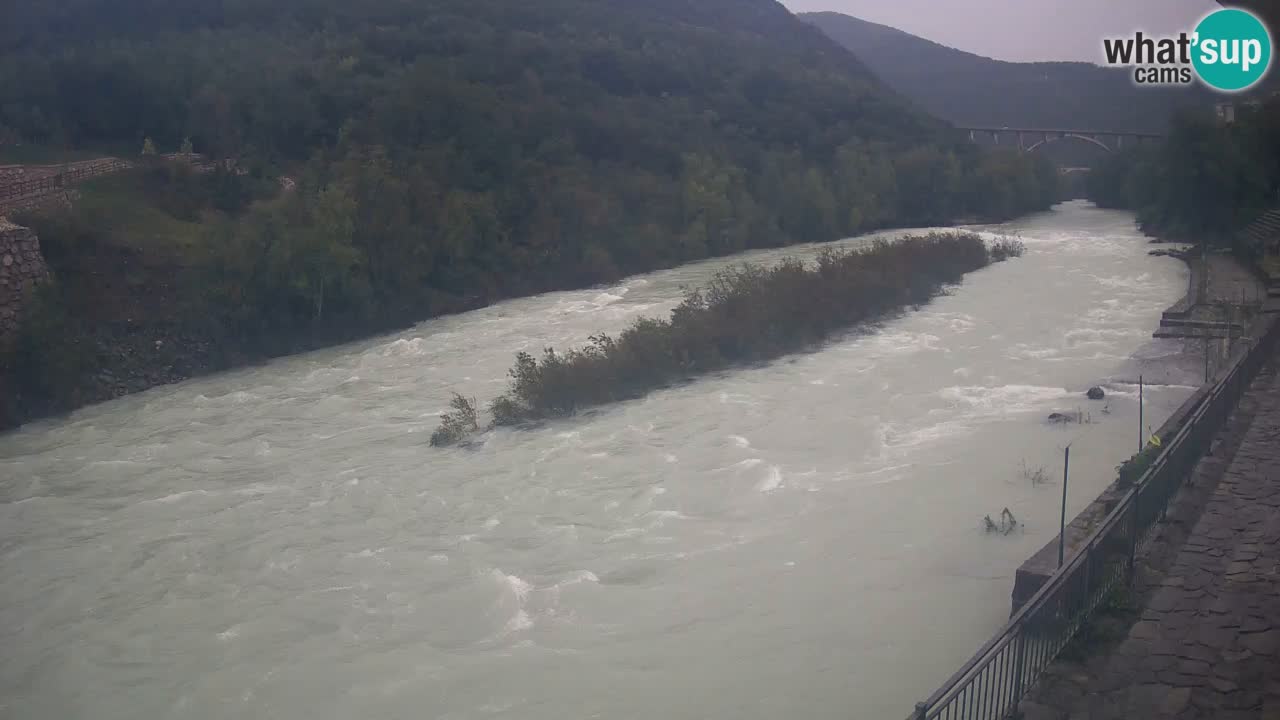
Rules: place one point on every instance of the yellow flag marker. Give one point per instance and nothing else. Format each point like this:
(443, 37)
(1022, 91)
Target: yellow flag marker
(1155, 441)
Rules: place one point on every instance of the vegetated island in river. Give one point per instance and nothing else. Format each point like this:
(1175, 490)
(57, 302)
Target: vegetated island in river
(747, 313)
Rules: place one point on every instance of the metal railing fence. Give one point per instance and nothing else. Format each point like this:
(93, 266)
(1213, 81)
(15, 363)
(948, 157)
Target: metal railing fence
(990, 685)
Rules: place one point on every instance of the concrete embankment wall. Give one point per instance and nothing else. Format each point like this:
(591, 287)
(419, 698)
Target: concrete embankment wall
(22, 267)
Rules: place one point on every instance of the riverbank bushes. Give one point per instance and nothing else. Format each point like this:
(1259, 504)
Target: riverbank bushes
(1131, 470)
(749, 313)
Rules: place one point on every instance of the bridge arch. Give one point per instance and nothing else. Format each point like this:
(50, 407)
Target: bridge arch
(1110, 140)
(1077, 136)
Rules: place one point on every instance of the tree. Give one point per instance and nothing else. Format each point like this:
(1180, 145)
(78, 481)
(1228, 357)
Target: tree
(1204, 183)
(708, 209)
(324, 262)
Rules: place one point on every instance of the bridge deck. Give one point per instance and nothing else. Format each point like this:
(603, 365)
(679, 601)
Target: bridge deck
(1062, 131)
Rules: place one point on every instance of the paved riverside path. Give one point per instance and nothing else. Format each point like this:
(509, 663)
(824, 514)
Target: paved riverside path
(1228, 282)
(1207, 642)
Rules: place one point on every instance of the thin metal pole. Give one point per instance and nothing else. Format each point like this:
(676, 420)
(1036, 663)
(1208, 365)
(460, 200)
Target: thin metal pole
(1062, 524)
(1142, 433)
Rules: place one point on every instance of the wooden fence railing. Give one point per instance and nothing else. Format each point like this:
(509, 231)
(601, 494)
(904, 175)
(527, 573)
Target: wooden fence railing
(18, 191)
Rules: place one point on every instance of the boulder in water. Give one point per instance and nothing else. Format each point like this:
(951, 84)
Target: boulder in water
(1096, 393)
(1059, 417)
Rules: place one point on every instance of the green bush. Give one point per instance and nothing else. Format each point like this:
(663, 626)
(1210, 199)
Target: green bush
(1131, 470)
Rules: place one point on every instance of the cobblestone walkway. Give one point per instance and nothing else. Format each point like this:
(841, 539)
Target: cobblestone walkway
(1207, 643)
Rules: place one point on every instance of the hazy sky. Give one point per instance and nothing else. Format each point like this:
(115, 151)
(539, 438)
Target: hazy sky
(1022, 29)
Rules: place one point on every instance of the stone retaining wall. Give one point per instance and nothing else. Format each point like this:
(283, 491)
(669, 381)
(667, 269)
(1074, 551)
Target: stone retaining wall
(22, 267)
(1182, 309)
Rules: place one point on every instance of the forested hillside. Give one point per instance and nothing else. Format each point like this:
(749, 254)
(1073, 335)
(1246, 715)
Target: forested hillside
(969, 89)
(452, 152)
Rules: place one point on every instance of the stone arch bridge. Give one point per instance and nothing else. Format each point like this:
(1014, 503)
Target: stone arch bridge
(1029, 139)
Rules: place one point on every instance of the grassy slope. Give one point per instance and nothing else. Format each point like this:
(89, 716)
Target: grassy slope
(131, 219)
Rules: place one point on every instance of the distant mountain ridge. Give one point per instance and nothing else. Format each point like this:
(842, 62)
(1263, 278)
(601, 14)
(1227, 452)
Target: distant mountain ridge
(968, 89)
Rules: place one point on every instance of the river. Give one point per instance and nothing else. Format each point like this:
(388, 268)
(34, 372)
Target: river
(802, 538)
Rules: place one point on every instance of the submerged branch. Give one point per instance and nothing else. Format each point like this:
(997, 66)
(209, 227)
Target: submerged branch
(462, 420)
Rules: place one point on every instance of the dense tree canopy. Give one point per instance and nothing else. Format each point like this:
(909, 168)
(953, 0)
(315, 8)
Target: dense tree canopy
(451, 152)
(282, 78)
(1205, 182)
(485, 147)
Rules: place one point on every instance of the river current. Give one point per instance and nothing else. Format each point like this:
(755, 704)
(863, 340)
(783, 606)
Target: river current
(799, 539)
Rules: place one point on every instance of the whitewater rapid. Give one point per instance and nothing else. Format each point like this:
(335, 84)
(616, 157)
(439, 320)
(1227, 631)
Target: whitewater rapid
(802, 537)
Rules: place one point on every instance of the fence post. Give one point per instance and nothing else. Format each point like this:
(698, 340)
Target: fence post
(920, 711)
(1088, 575)
(1142, 432)
(1062, 524)
(1019, 661)
(1229, 401)
(1133, 530)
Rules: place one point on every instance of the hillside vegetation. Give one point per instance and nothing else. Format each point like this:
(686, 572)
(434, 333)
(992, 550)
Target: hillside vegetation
(969, 89)
(1205, 182)
(452, 152)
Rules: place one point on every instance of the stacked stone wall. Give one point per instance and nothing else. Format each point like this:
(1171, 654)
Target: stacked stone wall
(22, 268)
